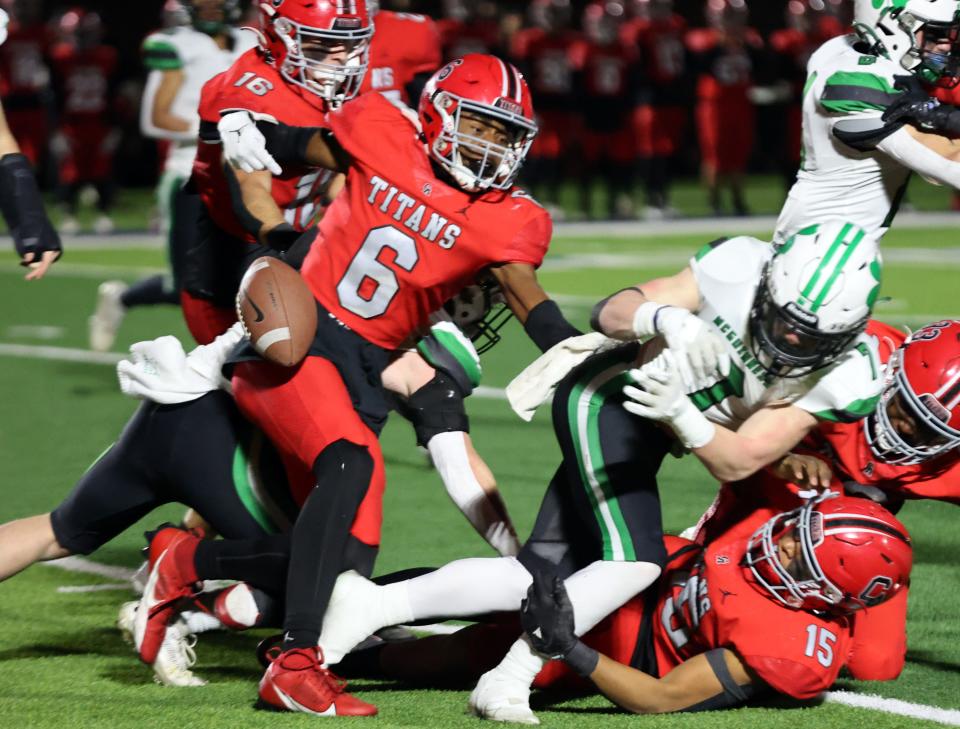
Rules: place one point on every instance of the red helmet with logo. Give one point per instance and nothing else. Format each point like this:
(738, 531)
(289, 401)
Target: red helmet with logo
(923, 389)
(319, 45)
(482, 88)
(850, 553)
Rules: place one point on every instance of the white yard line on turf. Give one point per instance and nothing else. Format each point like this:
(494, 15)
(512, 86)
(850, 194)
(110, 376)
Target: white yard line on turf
(951, 717)
(107, 587)
(89, 567)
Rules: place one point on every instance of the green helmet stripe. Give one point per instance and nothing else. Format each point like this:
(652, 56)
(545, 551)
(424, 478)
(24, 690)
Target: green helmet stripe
(861, 234)
(807, 292)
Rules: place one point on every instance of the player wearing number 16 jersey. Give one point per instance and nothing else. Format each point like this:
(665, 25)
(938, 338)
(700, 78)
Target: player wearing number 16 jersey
(311, 59)
(422, 214)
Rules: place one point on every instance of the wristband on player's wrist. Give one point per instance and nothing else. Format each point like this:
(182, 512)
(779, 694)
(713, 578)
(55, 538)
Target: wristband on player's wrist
(691, 426)
(645, 318)
(582, 658)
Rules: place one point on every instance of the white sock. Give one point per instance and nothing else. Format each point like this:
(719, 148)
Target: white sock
(468, 587)
(200, 622)
(395, 604)
(601, 587)
(522, 663)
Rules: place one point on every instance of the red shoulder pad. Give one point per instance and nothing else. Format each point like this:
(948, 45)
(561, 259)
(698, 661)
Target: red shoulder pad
(530, 244)
(366, 126)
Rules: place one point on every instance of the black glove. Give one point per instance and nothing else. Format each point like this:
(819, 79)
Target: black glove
(547, 618)
(287, 144)
(282, 236)
(916, 107)
(23, 210)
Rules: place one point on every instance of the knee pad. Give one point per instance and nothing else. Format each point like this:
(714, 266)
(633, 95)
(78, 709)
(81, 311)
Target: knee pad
(343, 464)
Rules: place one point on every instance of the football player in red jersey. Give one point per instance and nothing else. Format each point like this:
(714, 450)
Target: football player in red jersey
(767, 609)
(551, 54)
(25, 79)
(660, 113)
(312, 58)
(606, 80)
(724, 57)
(906, 449)
(421, 215)
(85, 143)
(34, 238)
(404, 53)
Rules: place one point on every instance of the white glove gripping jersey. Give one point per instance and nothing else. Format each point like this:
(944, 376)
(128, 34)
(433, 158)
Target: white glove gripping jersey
(199, 57)
(836, 181)
(728, 274)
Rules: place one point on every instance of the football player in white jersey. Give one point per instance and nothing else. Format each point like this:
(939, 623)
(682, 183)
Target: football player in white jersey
(746, 349)
(180, 61)
(855, 165)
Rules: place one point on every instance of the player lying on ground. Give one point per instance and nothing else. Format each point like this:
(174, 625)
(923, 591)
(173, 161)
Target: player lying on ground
(420, 217)
(34, 238)
(769, 609)
(202, 453)
(905, 449)
(859, 148)
(789, 338)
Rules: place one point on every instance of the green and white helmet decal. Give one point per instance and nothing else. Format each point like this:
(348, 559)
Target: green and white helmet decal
(815, 297)
(891, 28)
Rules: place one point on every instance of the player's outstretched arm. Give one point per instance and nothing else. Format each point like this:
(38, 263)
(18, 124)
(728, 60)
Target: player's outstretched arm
(539, 314)
(616, 315)
(156, 114)
(933, 156)
(715, 680)
(36, 241)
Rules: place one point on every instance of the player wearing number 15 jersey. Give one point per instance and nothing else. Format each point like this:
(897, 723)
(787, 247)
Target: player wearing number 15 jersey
(311, 59)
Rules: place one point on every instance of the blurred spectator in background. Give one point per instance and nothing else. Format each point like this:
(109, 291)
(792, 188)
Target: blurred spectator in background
(810, 24)
(85, 72)
(25, 79)
(724, 57)
(607, 78)
(550, 54)
(179, 60)
(661, 96)
(404, 53)
(469, 27)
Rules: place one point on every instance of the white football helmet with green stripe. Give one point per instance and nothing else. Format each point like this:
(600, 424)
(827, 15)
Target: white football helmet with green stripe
(923, 36)
(815, 297)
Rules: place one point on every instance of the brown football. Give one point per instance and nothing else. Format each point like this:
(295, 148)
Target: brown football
(277, 311)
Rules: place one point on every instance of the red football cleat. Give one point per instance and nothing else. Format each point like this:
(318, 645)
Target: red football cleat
(295, 681)
(172, 577)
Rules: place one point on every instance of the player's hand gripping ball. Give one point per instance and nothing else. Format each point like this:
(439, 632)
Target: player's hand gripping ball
(277, 311)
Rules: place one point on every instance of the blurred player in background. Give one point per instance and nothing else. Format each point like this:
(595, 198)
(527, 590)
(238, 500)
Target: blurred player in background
(180, 60)
(606, 80)
(724, 57)
(25, 79)
(661, 96)
(85, 71)
(550, 54)
(404, 53)
(468, 27)
(34, 238)
(810, 24)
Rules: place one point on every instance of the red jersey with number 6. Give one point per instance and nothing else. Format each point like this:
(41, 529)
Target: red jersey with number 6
(399, 241)
(253, 84)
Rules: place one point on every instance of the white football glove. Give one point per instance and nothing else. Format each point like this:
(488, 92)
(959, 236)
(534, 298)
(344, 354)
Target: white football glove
(663, 398)
(244, 146)
(699, 351)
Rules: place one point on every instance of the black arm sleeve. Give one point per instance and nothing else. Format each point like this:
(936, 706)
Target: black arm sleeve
(595, 314)
(733, 694)
(864, 135)
(22, 208)
(546, 326)
(287, 144)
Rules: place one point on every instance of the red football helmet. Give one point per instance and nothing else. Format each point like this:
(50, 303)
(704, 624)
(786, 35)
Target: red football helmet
(851, 553)
(478, 87)
(320, 45)
(923, 389)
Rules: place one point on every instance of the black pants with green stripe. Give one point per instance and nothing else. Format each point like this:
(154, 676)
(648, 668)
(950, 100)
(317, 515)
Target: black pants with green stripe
(202, 454)
(602, 503)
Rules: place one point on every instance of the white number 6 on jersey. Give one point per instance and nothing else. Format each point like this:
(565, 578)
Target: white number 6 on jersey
(365, 266)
